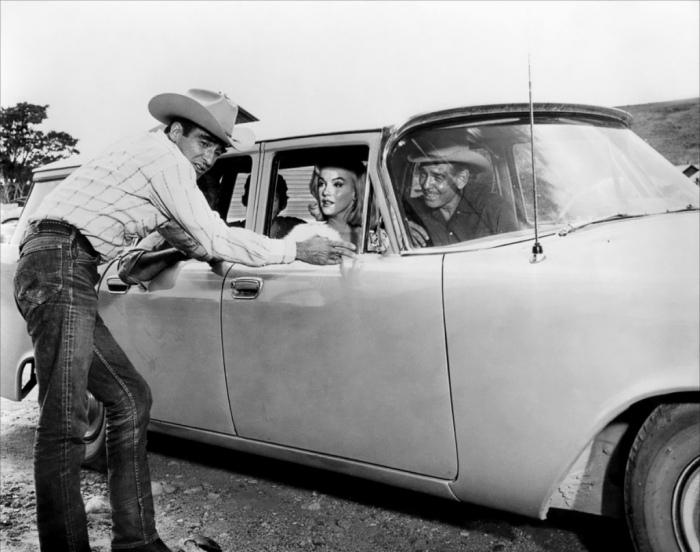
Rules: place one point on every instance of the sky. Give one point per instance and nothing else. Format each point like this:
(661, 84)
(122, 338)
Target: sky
(97, 64)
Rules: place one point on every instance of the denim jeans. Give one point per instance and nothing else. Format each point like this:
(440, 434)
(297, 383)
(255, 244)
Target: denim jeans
(74, 352)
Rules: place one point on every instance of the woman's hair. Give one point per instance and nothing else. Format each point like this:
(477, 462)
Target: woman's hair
(353, 216)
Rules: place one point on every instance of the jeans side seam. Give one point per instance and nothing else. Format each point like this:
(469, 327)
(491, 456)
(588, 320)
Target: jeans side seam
(135, 441)
(67, 402)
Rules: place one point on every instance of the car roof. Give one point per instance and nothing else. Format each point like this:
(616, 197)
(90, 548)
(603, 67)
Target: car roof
(265, 131)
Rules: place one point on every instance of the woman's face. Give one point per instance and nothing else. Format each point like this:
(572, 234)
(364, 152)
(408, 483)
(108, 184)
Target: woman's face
(336, 191)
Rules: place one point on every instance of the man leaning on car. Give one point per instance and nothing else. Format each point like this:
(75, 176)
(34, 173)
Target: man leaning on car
(141, 184)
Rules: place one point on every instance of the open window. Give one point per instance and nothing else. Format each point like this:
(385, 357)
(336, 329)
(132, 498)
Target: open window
(292, 201)
(224, 187)
(453, 184)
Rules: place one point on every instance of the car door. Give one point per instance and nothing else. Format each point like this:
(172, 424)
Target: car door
(347, 360)
(172, 332)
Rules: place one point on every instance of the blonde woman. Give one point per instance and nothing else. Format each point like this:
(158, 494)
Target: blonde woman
(337, 185)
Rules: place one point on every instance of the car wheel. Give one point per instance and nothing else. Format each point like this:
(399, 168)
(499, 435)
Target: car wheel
(662, 482)
(95, 436)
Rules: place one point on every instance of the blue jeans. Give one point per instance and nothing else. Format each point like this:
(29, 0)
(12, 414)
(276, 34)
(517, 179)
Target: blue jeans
(74, 352)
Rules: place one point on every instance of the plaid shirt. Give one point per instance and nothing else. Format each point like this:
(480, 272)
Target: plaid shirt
(145, 183)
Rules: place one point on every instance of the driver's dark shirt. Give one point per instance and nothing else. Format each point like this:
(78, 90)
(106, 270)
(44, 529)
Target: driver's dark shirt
(477, 216)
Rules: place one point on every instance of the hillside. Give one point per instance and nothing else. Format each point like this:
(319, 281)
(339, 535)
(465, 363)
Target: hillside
(672, 128)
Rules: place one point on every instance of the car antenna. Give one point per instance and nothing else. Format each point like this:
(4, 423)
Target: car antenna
(537, 252)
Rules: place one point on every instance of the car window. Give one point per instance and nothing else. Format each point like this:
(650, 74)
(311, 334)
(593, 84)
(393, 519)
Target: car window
(585, 170)
(237, 210)
(290, 188)
(224, 184)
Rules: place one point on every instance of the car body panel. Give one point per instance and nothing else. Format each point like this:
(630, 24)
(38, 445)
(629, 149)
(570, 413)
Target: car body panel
(9, 217)
(319, 361)
(172, 335)
(15, 345)
(565, 344)
(415, 482)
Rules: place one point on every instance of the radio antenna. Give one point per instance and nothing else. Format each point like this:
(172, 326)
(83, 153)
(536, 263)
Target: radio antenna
(537, 252)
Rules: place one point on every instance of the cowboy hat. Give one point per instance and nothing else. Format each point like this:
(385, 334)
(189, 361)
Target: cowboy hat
(212, 111)
(451, 154)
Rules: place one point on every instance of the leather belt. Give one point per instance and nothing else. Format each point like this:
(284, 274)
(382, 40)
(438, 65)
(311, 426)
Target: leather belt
(61, 227)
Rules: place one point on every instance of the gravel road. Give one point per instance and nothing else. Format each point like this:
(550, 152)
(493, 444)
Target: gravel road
(250, 504)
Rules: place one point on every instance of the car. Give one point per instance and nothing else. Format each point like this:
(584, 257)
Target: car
(8, 221)
(551, 366)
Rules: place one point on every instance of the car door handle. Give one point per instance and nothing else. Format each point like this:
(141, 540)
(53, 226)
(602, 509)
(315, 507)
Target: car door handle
(246, 288)
(116, 286)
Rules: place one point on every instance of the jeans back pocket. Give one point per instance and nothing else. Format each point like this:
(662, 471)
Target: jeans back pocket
(39, 274)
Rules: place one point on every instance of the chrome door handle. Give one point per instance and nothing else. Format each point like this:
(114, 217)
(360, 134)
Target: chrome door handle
(116, 286)
(246, 287)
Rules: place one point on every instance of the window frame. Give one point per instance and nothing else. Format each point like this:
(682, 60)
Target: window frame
(225, 201)
(270, 152)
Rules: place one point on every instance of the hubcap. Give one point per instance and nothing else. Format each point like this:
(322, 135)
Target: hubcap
(686, 508)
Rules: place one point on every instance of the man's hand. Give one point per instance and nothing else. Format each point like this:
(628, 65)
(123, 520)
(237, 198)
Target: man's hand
(418, 234)
(322, 251)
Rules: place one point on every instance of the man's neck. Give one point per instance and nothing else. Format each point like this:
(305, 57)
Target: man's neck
(449, 209)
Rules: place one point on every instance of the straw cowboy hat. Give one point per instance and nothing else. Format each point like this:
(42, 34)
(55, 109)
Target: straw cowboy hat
(212, 111)
(452, 154)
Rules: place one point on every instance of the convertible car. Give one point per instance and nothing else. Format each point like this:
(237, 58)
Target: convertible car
(552, 365)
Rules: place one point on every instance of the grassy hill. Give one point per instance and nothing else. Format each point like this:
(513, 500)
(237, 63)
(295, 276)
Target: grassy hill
(672, 128)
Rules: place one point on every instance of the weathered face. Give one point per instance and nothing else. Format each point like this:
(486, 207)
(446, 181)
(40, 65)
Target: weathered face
(441, 184)
(336, 191)
(199, 147)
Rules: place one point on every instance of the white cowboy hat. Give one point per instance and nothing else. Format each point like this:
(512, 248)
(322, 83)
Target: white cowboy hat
(212, 111)
(452, 154)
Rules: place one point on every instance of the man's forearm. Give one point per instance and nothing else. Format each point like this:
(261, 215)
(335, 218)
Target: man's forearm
(152, 263)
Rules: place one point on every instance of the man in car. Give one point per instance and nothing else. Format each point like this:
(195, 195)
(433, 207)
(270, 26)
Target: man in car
(448, 210)
(141, 184)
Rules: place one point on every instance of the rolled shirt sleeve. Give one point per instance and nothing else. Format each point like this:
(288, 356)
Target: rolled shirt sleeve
(199, 232)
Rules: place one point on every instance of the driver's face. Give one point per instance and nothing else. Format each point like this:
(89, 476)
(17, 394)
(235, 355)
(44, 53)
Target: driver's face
(439, 185)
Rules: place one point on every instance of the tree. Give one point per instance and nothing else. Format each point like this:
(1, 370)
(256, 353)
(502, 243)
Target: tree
(23, 148)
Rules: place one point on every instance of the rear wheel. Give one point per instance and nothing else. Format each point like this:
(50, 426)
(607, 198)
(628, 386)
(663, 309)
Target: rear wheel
(95, 436)
(662, 483)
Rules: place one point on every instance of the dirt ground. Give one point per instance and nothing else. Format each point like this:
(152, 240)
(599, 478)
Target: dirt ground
(249, 504)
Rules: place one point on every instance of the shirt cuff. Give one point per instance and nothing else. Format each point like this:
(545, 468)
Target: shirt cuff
(282, 251)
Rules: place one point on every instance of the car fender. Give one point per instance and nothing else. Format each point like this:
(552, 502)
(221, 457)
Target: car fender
(16, 350)
(567, 345)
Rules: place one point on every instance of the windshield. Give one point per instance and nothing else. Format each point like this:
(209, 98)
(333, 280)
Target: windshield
(470, 181)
